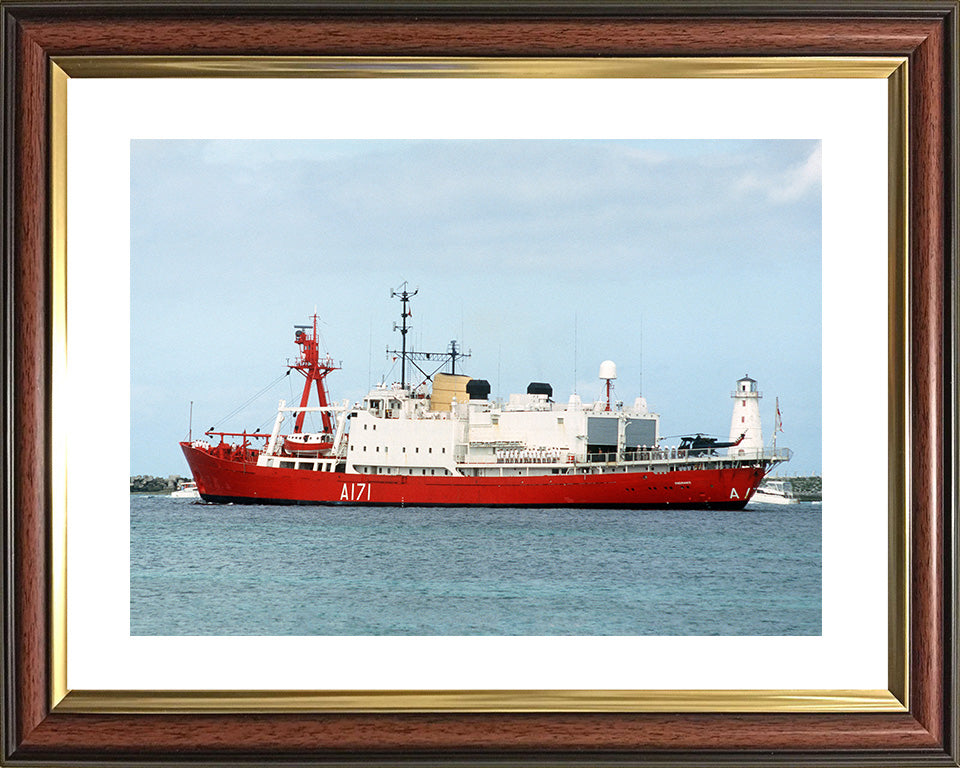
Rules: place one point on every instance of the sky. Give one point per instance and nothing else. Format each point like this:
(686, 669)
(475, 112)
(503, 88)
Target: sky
(687, 263)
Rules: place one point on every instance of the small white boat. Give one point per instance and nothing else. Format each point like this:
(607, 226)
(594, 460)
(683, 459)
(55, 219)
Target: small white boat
(186, 491)
(775, 492)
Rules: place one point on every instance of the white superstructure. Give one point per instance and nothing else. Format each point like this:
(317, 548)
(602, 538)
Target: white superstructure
(395, 432)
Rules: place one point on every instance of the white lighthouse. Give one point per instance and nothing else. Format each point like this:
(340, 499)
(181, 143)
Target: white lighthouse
(746, 418)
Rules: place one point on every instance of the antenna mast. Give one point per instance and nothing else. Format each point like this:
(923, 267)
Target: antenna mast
(641, 354)
(453, 357)
(404, 295)
(574, 353)
(452, 354)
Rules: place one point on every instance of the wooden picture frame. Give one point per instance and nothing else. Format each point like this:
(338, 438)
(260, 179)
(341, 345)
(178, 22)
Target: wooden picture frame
(38, 729)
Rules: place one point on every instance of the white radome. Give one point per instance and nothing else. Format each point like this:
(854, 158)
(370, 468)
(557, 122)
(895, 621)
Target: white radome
(608, 369)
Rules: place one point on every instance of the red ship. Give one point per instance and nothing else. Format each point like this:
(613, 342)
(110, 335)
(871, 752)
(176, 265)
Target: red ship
(446, 443)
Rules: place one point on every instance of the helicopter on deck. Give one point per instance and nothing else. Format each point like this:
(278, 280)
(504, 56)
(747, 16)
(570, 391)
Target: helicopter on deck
(701, 445)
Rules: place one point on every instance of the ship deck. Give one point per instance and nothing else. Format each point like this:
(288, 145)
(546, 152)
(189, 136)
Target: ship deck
(660, 461)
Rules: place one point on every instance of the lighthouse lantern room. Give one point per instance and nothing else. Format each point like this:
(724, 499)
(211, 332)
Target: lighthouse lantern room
(746, 418)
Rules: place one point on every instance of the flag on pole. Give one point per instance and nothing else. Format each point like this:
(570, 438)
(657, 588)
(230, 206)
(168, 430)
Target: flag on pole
(779, 424)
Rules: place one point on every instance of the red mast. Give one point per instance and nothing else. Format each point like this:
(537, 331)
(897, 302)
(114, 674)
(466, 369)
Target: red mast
(314, 369)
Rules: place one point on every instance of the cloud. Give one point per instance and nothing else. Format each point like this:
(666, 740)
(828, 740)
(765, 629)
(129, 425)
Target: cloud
(259, 153)
(579, 208)
(789, 185)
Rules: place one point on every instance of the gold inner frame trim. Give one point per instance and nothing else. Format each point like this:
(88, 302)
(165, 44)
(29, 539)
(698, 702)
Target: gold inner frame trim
(893, 69)
(427, 66)
(132, 702)
(898, 383)
(58, 369)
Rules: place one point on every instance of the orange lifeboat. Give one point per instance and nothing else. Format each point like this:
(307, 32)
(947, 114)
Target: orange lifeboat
(301, 443)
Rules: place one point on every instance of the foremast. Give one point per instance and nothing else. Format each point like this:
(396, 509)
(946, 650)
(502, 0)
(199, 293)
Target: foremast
(315, 370)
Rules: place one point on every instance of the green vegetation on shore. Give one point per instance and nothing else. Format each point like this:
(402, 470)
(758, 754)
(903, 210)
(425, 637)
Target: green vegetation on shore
(151, 484)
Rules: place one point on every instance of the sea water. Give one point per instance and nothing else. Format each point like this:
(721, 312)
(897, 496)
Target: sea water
(210, 569)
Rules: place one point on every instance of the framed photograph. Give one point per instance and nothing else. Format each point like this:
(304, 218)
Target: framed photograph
(705, 206)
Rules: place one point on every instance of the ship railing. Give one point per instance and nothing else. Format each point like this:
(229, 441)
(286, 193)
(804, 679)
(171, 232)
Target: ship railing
(673, 454)
(312, 409)
(754, 454)
(601, 458)
(650, 455)
(244, 435)
(722, 454)
(554, 459)
(242, 452)
(762, 454)
(647, 454)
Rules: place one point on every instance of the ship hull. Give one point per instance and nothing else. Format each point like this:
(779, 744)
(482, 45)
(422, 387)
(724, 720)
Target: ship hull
(228, 481)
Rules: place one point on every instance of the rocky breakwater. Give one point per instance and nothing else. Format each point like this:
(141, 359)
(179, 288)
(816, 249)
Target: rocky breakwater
(809, 488)
(151, 484)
